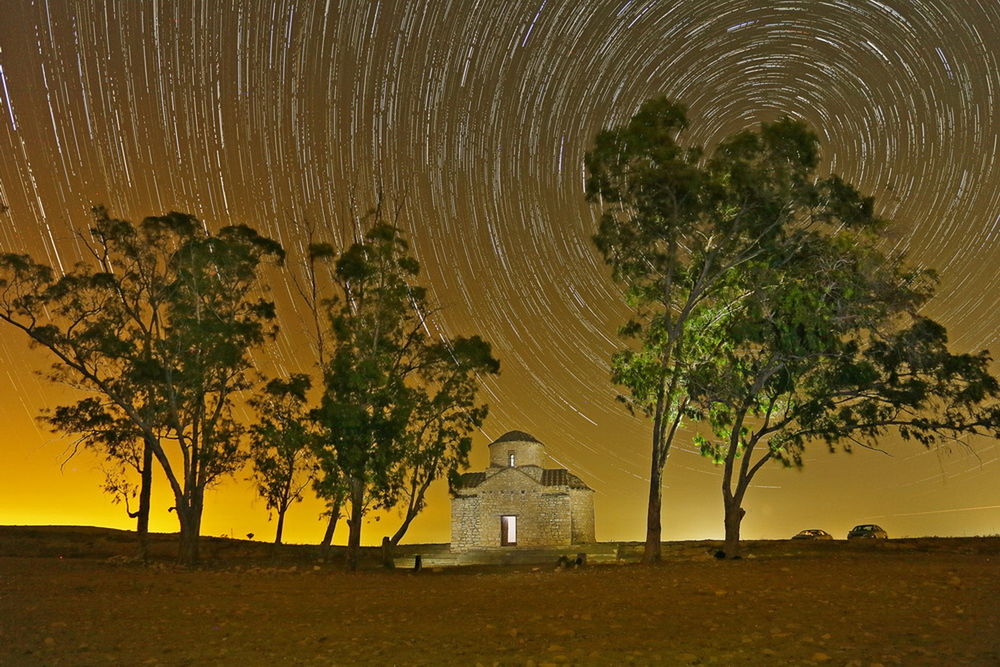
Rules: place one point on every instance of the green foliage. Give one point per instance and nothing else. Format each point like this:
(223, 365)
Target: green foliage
(820, 339)
(826, 344)
(282, 443)
(397, 406)
(677, 225)
(714, 251)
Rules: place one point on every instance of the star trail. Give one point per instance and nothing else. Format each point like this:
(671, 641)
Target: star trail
(473, 117)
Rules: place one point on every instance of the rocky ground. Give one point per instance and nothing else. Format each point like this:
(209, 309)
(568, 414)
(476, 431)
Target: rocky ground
(919, 602)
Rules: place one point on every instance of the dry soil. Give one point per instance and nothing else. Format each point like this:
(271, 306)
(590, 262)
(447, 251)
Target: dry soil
(842, 604)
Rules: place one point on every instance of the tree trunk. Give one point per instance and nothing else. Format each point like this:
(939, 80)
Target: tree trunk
(412, 509)
(189, 515)
(281, 527)
(733, 518)
(145, 491)
(354, 524)
(652, 552)
(331, 525)
(398, 535)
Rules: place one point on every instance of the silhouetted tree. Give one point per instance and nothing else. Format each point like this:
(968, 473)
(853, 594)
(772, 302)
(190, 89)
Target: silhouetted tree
(281, 445)
(157, 327)
(676, 228)
(392, 396)
(311, 278)
(104, 428)
(445, 413)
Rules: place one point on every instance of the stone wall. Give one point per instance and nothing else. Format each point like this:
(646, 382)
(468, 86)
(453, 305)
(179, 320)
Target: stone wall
(543, 519)
(464, 523)
(582, 507)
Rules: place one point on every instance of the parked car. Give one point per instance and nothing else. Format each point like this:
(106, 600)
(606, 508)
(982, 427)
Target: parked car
(812, 534)
(867, 531)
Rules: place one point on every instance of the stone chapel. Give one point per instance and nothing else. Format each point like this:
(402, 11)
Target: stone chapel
(518, 502)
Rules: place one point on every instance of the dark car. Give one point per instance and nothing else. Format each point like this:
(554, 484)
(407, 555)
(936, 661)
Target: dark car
(867, 531)
(812, 534)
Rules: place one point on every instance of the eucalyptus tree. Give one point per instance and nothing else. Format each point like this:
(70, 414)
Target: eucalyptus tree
(100, 326)
(676, 227)
(157, 327)
(312, 279)
(445, 413)
(828, 345)
(281, 445)
(396, 405)
(122, 444)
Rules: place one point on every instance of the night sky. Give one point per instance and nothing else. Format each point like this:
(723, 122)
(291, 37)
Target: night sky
(475, 115)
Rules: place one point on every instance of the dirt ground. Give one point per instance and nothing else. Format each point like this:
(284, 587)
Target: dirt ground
(844, 604)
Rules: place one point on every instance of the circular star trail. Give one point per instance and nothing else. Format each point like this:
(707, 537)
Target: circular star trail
(472, 117)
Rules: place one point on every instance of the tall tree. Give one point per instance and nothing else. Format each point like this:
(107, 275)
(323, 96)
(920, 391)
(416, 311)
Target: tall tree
(157, 327)
(313, 283)
(675, 227)
(828, 345)
(392, 396)
(281, 445)
(215, 318)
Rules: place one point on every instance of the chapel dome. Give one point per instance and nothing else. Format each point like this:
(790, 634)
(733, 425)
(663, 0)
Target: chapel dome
(516, 436)
(517, 449)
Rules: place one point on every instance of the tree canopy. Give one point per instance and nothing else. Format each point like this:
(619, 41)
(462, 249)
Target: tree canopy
(157, 326)
(683, 230)
(281, 445)
(828, 345)
(397, 405)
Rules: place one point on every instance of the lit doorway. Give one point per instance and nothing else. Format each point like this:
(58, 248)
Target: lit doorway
(508, 531)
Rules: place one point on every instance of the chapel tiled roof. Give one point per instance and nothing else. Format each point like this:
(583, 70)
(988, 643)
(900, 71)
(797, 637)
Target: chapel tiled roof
(562, 477)
(550, 477)
(515, 436)
(470, 480)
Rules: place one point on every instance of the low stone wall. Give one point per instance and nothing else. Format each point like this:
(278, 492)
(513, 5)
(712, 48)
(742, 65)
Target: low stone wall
(594, 554)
